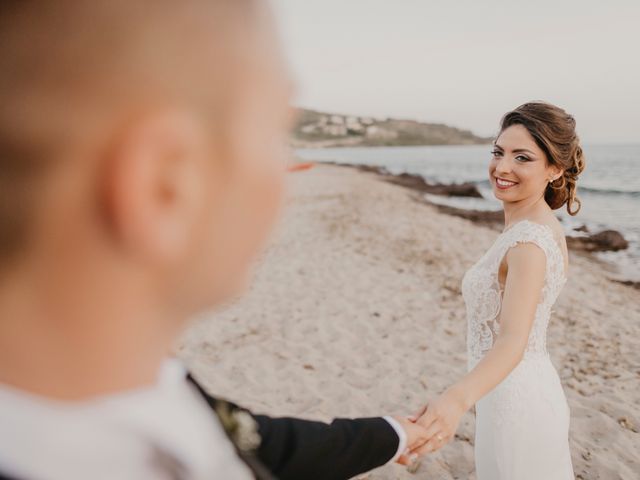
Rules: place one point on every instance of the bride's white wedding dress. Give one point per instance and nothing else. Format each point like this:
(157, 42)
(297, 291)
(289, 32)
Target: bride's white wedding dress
(522, 424)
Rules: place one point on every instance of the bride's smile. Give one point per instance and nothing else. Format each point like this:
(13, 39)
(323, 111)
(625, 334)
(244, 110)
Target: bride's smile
(503, 184)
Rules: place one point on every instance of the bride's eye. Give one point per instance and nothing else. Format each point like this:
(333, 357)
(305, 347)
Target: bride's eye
(496, 153)
(522, 158)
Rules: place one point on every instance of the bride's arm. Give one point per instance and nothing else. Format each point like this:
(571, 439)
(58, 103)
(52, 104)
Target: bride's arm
(525, 278)
(526, 265)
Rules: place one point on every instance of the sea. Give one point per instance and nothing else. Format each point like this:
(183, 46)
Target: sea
(609, 188)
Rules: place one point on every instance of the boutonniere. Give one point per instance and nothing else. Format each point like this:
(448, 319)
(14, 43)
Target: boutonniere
(240, 426)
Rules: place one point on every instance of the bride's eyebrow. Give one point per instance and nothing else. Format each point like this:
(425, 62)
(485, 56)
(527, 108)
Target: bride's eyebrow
(517, 150)
(523, 150)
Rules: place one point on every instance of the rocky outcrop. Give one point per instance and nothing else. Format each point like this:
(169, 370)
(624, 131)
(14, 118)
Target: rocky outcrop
(417, 182)
(629, 283)
(607, 240)
(489, 218)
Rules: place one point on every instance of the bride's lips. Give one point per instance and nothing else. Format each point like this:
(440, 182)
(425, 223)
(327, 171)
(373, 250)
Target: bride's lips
(504, 184)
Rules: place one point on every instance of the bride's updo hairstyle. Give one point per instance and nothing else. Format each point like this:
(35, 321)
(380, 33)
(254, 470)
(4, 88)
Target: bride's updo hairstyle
(554, 131)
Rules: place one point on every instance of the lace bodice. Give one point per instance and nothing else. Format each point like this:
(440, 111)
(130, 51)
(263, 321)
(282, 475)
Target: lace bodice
(482, 292)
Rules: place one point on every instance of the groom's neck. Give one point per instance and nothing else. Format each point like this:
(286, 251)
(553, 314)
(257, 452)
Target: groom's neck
(73, 342)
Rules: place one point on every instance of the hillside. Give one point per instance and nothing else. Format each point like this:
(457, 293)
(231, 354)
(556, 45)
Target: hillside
(319, 129)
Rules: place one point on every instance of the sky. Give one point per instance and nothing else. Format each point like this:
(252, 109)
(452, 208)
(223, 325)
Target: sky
(465, 63)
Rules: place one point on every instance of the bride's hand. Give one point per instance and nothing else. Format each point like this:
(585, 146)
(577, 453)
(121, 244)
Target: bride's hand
(441, 417)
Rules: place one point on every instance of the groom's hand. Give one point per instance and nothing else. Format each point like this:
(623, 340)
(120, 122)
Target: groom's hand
(417, 436)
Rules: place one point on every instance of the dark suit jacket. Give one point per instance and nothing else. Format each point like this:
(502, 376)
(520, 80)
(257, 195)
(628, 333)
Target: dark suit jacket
(295, 449)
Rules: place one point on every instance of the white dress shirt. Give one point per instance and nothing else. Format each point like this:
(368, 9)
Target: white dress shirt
(150, 433)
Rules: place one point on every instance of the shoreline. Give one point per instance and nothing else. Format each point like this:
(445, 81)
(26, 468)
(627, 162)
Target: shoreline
(355, 310)
(585, 244)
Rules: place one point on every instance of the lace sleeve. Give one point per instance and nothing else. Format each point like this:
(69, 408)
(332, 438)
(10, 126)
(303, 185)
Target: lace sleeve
(541, 236)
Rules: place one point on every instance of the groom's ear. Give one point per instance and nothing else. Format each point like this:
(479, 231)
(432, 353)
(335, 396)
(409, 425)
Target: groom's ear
(152, 186)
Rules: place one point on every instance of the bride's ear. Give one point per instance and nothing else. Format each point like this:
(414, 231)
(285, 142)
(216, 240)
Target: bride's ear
(554, 172)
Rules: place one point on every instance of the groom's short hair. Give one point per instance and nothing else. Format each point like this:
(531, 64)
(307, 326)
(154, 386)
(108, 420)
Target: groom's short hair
(68, 67)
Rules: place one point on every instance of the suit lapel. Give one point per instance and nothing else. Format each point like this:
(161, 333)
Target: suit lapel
(226, 413)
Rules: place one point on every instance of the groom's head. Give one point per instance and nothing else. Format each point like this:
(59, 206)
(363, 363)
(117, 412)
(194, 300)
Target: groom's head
(140, 144)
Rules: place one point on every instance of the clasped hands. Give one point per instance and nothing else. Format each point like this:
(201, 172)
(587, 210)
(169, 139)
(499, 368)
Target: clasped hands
(433, 426)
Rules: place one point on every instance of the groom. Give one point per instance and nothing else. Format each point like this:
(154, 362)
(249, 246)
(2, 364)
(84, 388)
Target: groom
(140, 173)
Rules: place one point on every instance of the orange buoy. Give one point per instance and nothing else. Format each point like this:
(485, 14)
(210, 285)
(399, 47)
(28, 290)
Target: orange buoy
(297, 167)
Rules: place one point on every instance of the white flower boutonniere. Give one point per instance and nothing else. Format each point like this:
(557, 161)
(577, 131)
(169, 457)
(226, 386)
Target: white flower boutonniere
(240, 426)
(246, 435)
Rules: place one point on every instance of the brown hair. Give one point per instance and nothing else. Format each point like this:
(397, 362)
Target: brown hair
(554, 131)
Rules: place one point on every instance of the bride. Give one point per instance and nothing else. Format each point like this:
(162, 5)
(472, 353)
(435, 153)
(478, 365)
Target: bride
(522, 416)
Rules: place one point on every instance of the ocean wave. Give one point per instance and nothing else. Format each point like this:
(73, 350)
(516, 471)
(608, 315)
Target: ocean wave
(609, 191)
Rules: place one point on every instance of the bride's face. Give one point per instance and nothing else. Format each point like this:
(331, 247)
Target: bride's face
(519, 169)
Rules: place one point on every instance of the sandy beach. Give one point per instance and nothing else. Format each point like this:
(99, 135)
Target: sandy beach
(355, 310)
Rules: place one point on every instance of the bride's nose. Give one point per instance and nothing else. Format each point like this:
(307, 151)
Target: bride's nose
(503, 165)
